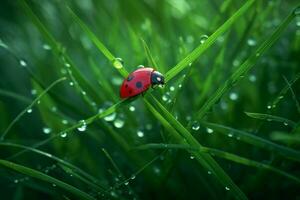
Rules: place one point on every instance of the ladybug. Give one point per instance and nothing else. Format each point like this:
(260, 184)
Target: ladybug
(139, 81)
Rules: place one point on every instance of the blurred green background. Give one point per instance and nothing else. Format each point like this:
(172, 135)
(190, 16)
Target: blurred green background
(148, 32)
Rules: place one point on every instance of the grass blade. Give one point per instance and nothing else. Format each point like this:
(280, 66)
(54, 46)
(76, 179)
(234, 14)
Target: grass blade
(30, 106)
(44, 177)
(202, 47)
(285, 137)
(268, 117)
(245, 67)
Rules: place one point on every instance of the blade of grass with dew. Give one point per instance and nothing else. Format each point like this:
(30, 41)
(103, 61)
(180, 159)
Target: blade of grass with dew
(44, 177)
(255, 140)
(285, 137)
(211, 39)
(224, 155)
(245, 67)
(116, 63)
(59, 51)
(87, 121)
(268, 117)
(149, 56)
(206, 160)
(30, 106)
(89, 179)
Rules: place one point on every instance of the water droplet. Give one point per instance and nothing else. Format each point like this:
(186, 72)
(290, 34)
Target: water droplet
(227, 188)
(38, 102)
(113, 194)
(192, 157)
(53, 109)
(110, 117)
(47, 130)
(269, 120)
(209, 172)
(83, 126)
(251, 42)
(67, 64)
(195, 126)
(119, 123)
(63, 135)
(117, 81)
(280, 97)
(203, 38)
(71, 83)
(54, 185)
(298, 23)
(165, 97)
(126, 183)
(285, 123)
(172, 88)
(132, 177)
(140, 133)
(269, 107)
(180, 85)
(230, 135)
(236, 62)
(64, 121)
(118, 63)
(252, 78)
(156, 170)
(46, 47)
(33, 92)
(83, 93)
(257, 54)
(209, 130)
(131, 108)
(16, 181)
(140, 66)
(233, 96)
(29, 110)
(23, 63)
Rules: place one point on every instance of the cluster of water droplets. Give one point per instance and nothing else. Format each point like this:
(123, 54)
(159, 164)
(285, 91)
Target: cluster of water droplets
(83, 126)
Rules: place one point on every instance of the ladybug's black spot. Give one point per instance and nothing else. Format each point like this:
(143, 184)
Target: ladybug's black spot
(130, 78)
(139, 84)
(126, 85)
(130, 91)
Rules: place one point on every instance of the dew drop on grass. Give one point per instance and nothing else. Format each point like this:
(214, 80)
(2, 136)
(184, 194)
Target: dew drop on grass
(63, 135)
(29, 110)
(67, 64)
(192, 157)
(23, 63)
(118, 63)
(172, 88)
(47, 130)
(16, 181)
(285, 123)
(209, 130)
(297, 11)
(132, 108)
(71, 83)
(165, 97)
(132, 177)
(269, 107)
(209, 172)
(64, 121)
(46, 47)
(140, 66)
(110, 117)
(113, 194)
(119, 123)
(53, 109)
(251, 42)
(140, 133)
(54, 185)
(180, 85)
(252, 78)
(230, 135)
(126, 183)
(195, 126)
(83, 93)
(156, 170)
(83, 126)
(203, 38)
(33, 92)
(233, 96)
(257, 54)
(227, 188)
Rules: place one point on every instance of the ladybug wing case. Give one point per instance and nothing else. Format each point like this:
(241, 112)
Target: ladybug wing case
(136, 82)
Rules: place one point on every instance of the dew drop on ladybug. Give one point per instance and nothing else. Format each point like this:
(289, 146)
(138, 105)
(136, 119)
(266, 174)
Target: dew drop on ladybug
(139, 81)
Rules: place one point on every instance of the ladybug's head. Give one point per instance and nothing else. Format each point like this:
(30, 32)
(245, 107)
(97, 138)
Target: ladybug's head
(157, 78)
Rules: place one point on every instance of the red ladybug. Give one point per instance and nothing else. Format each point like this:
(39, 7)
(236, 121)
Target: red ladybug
(139, 81)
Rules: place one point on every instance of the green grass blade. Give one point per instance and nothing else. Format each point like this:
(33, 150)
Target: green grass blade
(15, 96)
(30, 106)
(285, 137)
(44, 177)
(256, 141)
(245, 67)
(224, 155)
(202, 47)
(268, 117)
(89, 179)
(206, 160)
(293, 94)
